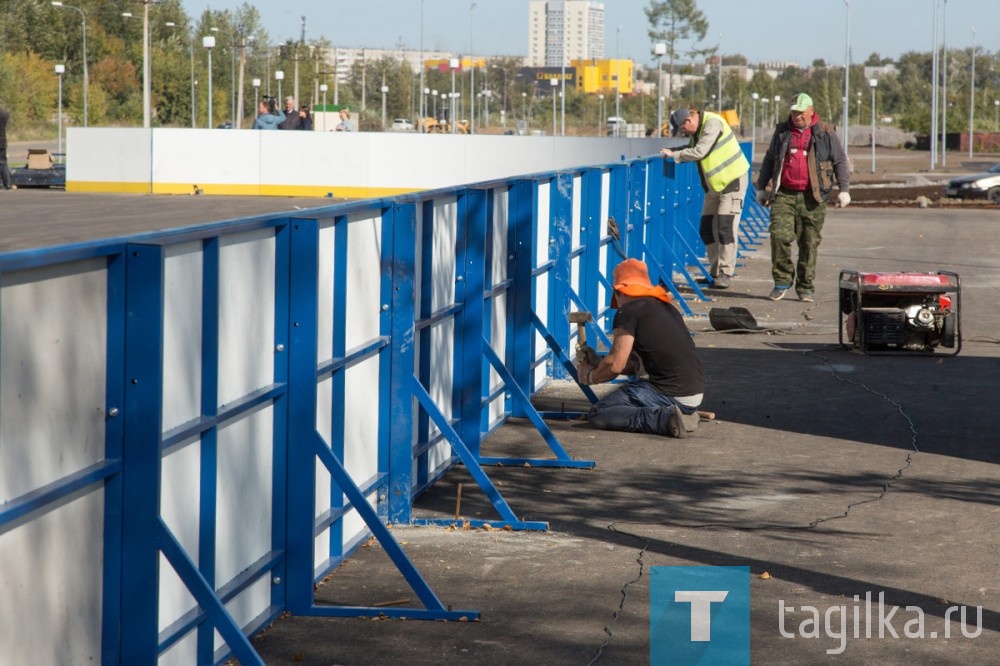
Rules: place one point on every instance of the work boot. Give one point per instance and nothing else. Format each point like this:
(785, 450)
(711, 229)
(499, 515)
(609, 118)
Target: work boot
(675, 423)
(722, 282)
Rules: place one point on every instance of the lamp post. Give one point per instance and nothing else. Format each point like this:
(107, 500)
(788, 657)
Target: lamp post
(659, 50)
(859, 107)
(719, 107)
(453, 64)
(777, 99)
(753, 124)
(996, 115)
(763, 115)
(524, 106)
(279, 76)
(384, 90)
(600, 112)
(256, 94)
(472, 70)
(618, 82)
(323, 88)
(208, 42)
(972, 94)
(434, 96)
(193, 106)
(555, 84)
(562, 64)
(873, 83)
(86, 79)
(60, 70)
(847, 68)
(423, 97)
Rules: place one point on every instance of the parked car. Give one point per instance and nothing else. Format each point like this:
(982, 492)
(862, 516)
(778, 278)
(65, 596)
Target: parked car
(978, 186)
(402, 125)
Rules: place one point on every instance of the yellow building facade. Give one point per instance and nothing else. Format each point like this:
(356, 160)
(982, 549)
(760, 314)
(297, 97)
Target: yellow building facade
(604, 76)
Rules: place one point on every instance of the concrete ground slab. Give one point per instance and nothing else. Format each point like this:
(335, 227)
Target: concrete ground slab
(834, 473)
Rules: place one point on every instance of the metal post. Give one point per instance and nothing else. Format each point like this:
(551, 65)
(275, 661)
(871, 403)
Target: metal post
(472, 70)
(86, 78)
(719, 107)
(934, 87)
(385, 89)
(847, 70)
(60, 69)
(972, 95)
(562, 75)
(659, 50)
(146, 111)
(423, 95)
(873, 83)
(944, 84)
(600, 112)
(618, 83)
(209, 43)
(753, 124)
(323, 88)
(555, 84)
(451, 107)
(193, 123)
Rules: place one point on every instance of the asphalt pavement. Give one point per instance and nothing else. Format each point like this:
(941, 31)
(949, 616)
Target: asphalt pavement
(829, 473)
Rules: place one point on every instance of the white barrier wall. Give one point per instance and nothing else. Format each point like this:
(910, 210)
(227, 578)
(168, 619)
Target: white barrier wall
(337, 164)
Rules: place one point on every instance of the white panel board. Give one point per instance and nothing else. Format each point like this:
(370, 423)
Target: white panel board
(180, 500)
(50, 586)
(364, 279)
(53, 355)
(245, 492)
(246, 313)
(182, 327)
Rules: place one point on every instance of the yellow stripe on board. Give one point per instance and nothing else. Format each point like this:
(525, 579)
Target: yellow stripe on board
(319, 191)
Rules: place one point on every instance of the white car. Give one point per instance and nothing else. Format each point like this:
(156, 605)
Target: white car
(402, 125)
(980, 186)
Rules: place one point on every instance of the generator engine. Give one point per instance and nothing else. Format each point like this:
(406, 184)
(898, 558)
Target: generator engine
(884, 313)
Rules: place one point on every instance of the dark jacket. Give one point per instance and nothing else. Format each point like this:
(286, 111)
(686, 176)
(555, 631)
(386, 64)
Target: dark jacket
(824, 148)
(291, 120)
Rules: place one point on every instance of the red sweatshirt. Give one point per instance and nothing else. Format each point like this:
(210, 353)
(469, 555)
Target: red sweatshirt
(795, 172)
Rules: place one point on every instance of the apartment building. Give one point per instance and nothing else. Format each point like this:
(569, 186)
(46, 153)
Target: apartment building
(560, 31)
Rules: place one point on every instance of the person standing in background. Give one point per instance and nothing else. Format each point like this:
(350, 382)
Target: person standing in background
(794, 166)
(725, 174)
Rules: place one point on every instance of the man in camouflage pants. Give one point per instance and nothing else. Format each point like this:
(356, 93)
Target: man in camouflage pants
(793, 165)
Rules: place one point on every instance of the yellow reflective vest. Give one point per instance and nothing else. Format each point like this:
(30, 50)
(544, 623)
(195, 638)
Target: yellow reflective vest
(726, 162)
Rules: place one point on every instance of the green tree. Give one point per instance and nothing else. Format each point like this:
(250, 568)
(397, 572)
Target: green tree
(675, 22)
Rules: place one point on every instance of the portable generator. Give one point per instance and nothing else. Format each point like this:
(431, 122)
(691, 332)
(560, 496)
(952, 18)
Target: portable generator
(892, 313)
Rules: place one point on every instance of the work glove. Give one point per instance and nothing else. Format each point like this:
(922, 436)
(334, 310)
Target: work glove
(762, 197)
(843, 200)
(587, 355)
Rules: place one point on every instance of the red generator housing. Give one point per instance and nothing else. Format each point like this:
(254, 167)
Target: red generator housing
(893, 313)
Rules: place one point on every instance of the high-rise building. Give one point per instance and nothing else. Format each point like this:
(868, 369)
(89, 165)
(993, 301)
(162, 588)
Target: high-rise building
(560, 31)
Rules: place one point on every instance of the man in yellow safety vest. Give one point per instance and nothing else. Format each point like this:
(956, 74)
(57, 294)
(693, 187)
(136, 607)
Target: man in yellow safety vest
(724, 172)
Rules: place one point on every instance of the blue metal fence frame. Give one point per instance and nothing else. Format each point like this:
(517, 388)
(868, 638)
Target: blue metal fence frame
(656, 205)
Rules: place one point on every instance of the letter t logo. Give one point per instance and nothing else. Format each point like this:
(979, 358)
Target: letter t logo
(701, 610)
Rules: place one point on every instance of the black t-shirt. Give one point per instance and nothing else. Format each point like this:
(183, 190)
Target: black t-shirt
(664, 345)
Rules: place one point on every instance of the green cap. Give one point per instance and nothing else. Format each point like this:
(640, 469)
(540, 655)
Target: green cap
(802, 102)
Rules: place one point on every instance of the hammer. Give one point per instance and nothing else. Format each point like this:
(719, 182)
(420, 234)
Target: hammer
(580, 319)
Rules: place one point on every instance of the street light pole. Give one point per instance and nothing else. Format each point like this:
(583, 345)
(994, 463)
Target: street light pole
(86, 78)
(423, 96)
(996, 115)
(451, 107)
(209, 43)
(554, 85)
(562, 74)
(753, 125)
(256, 95)
(873, 83)
(472, 70)
(279, 76)
(384, 89)
(659, 50)
(847, 70)
(146, 112)
(618, 82)
(972, 95)
(944, 83)
(600, 112)
(60, 70)
(719, 107)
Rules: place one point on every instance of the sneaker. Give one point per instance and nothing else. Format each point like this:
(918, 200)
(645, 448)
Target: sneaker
(722, 282)
(675, 423)
(778, 293)
(806, 297)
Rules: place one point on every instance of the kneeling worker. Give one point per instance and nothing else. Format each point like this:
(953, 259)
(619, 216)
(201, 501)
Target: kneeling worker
(724, 172)
(652, 343)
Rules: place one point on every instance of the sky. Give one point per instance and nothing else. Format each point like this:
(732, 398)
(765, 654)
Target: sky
(784, 30)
